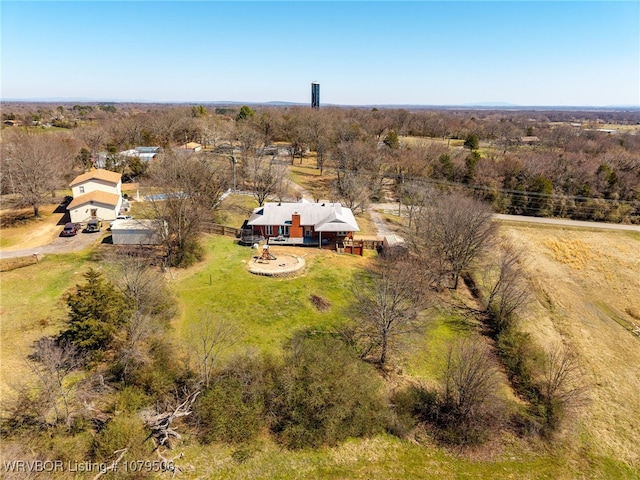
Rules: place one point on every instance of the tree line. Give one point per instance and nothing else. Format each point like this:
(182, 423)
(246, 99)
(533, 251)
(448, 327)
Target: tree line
(520, 162)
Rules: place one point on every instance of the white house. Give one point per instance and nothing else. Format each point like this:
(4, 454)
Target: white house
(96, 194)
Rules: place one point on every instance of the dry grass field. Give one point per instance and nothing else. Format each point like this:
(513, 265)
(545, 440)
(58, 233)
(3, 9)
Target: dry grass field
(588, 297)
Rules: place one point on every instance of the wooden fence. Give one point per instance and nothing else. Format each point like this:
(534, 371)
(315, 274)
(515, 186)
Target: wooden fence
(221, 230)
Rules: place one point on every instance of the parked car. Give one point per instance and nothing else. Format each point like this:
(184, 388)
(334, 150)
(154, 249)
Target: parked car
(69, 230)
(120, 217)
(93, 225)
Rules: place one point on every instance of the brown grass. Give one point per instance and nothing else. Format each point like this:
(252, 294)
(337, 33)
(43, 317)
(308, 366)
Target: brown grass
(20, 229)
(587, 286)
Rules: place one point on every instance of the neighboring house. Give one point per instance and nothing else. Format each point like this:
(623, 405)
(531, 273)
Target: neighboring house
(137, 232)
(96, 194)
(191, 147)
(529, 140)
(146, 154)
(304, 223)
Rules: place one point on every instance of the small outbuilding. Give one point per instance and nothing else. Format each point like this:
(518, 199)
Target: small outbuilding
(394, 246)
(138, 232)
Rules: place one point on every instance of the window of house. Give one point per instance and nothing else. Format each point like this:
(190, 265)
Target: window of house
(269, 229)
(81, 188)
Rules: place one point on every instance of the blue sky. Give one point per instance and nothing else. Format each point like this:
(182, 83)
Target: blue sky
(581, 53)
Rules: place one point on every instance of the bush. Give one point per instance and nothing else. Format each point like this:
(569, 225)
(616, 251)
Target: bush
(233, 408)
(520, 357)
(324, 395)
(465, 409)
(163, 371)
(123, 431)
(131, 400)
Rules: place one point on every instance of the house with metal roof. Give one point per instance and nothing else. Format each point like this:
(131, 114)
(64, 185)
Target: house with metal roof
(96, 194)
(146, 154)
(304, 223)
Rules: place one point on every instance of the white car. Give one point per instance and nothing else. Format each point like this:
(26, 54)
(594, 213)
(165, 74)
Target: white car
(120, 217)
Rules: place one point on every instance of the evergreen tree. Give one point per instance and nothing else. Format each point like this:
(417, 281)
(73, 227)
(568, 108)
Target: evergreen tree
(97, 311)
(245, 112)
(391, 140)
(472, 142)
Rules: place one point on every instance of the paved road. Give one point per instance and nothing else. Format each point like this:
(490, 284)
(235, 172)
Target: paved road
(393, 207)
(568, 223)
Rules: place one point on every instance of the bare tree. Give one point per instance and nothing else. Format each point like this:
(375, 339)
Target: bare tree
(210, 337)
(191, 187)
(358, 168)
(52, 362)
(470, 382)
(561, 385)
(453, 232)
(142, 284)
(266, 176)
(414, 196)
(34, 165)
(388, 304)
(505, 287)
(352, 190)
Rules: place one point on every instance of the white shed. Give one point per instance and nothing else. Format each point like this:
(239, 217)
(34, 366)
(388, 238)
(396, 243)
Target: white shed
(137, 232)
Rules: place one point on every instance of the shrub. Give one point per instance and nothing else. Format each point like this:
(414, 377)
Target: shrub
(324, 394)
(123, 431)
(233, 408)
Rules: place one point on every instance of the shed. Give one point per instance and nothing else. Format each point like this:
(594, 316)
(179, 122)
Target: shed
(138, 232)
(394, 246)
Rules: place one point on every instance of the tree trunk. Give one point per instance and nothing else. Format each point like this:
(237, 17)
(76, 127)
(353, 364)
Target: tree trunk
(383, 352)
(36, 211)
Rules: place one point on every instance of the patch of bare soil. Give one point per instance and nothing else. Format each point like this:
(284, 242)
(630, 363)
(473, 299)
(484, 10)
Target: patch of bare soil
(587, 294)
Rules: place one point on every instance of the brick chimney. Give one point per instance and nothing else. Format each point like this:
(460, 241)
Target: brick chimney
(296, 229)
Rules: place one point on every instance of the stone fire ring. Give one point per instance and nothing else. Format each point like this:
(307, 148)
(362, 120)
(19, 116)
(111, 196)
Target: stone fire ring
(283, 265)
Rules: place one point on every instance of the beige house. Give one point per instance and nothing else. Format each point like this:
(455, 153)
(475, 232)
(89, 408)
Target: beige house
(191, 147)
(96, 194)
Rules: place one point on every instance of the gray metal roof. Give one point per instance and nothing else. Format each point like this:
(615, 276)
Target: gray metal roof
(324, 217)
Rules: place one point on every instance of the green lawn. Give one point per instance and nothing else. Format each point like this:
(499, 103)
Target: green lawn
(267, 310)
(32, 306)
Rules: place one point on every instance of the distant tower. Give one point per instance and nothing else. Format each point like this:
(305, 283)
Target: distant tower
(315, 95)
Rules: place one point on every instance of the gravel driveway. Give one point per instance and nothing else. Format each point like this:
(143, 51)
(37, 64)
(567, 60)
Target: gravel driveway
(76, 243)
